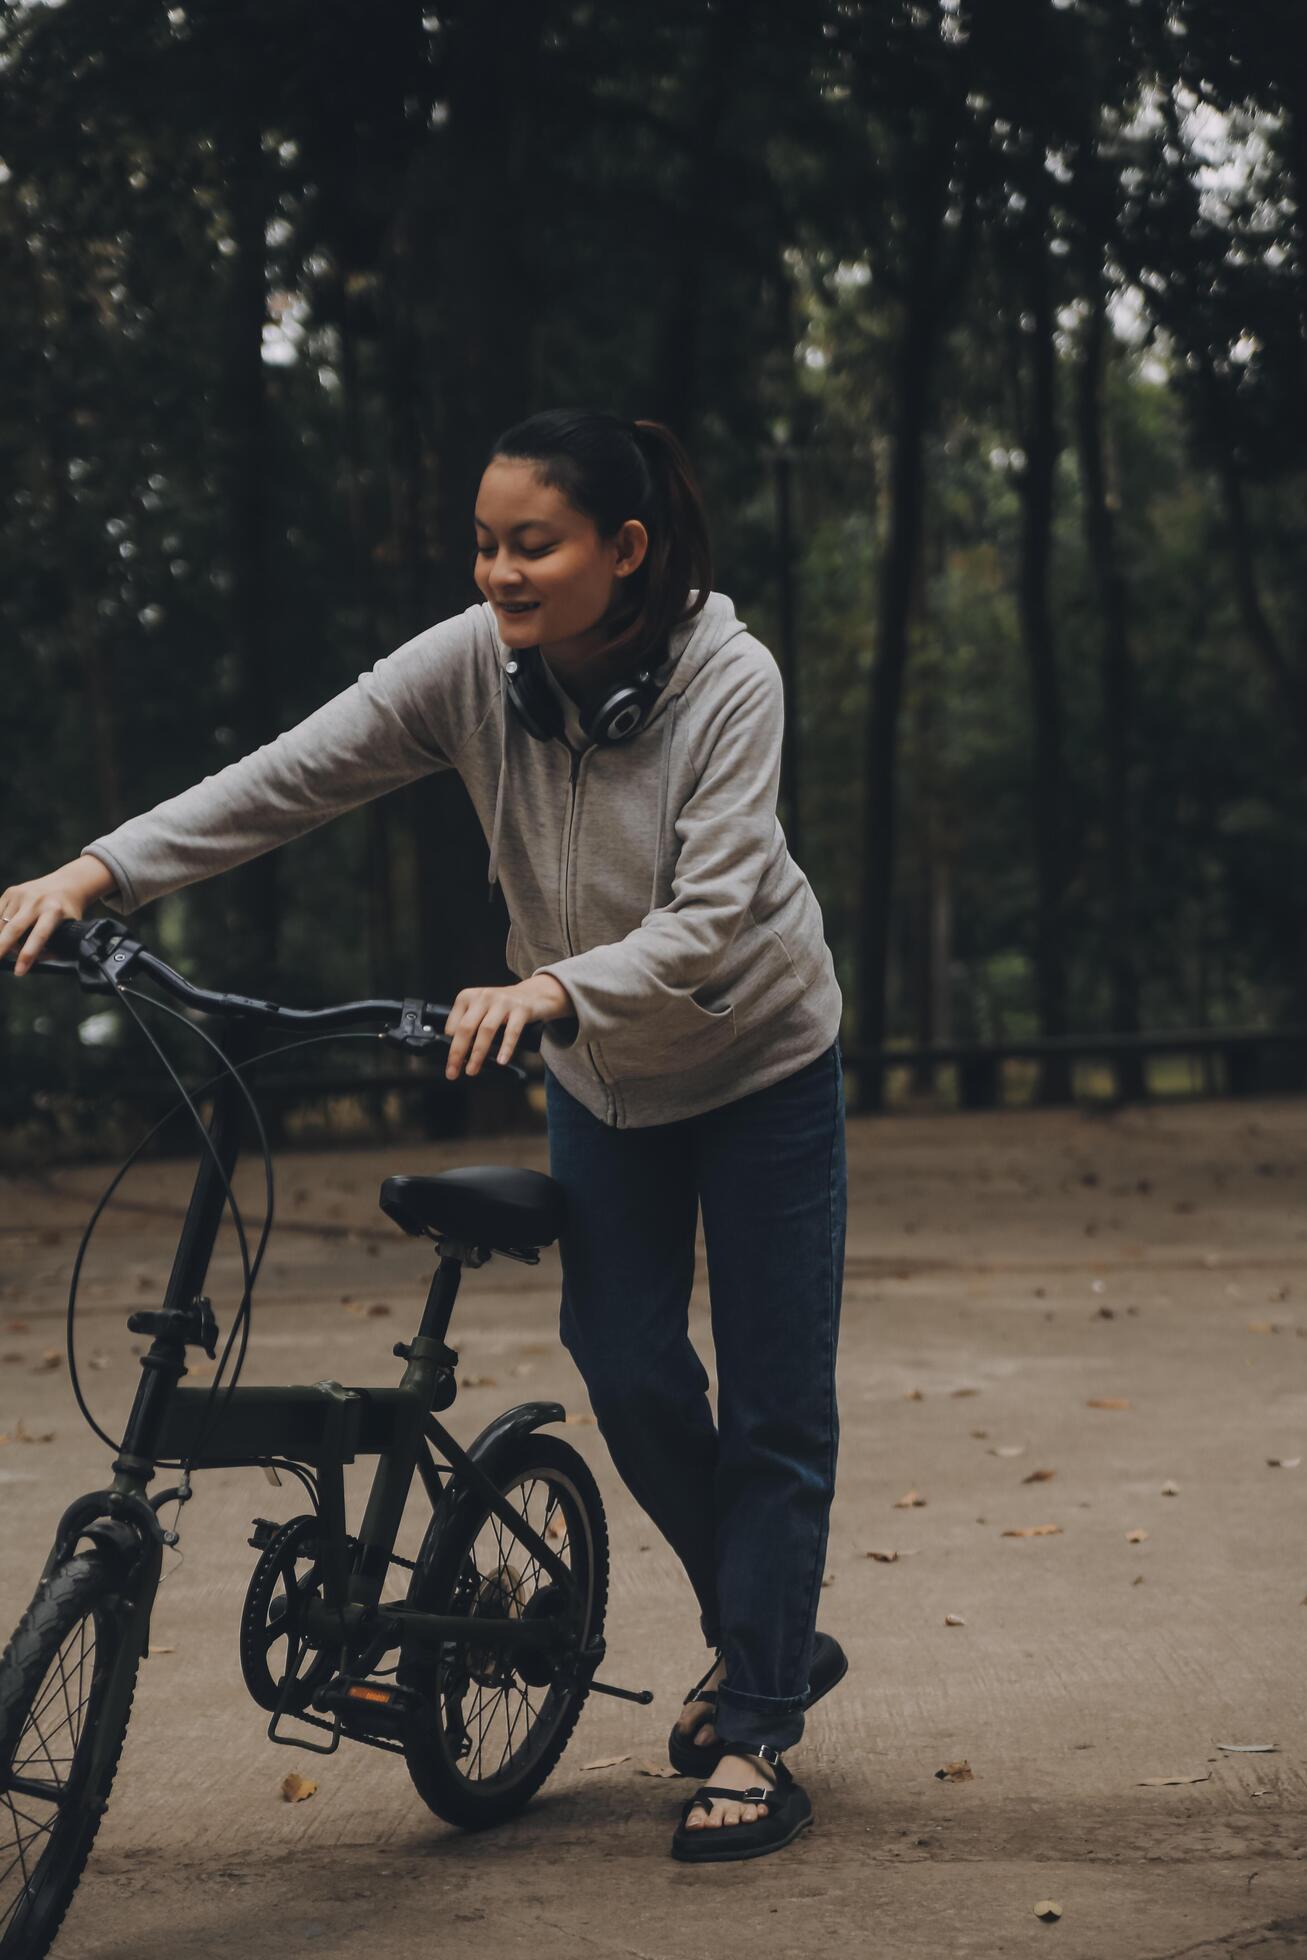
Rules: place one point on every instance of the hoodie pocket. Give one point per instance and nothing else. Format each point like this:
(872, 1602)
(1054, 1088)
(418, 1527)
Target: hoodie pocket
(684, 1035)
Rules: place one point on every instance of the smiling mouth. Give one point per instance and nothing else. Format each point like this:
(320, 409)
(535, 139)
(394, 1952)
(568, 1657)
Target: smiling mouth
(526, 606)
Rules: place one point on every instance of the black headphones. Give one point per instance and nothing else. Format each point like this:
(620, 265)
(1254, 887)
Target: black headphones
(619, 717)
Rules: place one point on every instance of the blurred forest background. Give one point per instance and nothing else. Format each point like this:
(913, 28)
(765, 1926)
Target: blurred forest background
(983, 324)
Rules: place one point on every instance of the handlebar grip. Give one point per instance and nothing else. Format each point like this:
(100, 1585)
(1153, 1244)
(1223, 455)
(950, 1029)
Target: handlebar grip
(66, 939)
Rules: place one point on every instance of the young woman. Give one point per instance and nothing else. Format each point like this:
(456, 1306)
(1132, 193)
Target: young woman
(619, 731)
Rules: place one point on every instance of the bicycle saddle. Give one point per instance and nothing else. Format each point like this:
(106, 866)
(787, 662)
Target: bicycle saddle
(486, 1204)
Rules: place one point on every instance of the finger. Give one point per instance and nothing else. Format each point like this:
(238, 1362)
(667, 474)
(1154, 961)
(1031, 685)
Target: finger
(486, 1033)
(45, 925)
(10, 933)
(512, 1029)
(459, 1027)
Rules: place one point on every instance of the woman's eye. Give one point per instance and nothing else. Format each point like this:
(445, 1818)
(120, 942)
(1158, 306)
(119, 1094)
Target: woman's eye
(539, 552)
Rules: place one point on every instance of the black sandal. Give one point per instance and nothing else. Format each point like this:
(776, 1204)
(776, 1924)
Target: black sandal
(830, 1664)
(789, 1811)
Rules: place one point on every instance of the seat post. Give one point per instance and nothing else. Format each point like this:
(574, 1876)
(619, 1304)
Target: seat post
(443, 1292)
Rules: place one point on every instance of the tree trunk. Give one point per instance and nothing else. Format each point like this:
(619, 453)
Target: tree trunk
(1048, 819)
(480, 350)
(929, 296)
(252, 893)
(1118, 693)
(677, 367)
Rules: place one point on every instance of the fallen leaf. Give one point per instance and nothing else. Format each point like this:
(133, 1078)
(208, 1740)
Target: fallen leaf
(1108, 1402)
(1039, 1476)
(1263, 1327)
(908, 1499)
(913, 1395)
(1284, 1462)
(97, 1361)
(1249, 1748)
(480, 1381)
(377, 1310)
(17, 1326)
(960, 1772)
(954, 1620)
(829, 1580)
(159, 1650)
(1170, 1490)
(50, 1358)
(645, 1768)
(606, 1762)
(980, 1433)
(579, 1415)
(22, 1434)
(888, 1558)
(1008, 1449)
(1047, 1909)
(1158, 1782)
(964, 1391)
(1031, 1531)
(557, 1526)
(1137, 1536)
(295, 1788)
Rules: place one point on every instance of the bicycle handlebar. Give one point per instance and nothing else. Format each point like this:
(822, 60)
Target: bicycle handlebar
(98, 954)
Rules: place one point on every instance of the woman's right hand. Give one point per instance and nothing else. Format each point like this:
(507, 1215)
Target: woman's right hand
(36, 906)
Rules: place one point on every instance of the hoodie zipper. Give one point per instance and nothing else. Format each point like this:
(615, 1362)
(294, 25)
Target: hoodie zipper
(577, 758)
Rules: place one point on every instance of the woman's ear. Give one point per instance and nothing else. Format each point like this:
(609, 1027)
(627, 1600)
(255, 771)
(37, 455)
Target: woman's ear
(632, 544)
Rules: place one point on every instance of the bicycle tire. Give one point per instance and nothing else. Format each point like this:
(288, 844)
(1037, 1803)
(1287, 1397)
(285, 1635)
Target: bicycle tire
(34, 1896)
(448, 1580)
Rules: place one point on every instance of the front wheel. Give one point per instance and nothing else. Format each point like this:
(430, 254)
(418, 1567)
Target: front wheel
(497, 1726)
(56, 1714)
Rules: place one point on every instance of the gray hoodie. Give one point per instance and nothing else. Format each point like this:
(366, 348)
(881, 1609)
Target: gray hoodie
(652, 879)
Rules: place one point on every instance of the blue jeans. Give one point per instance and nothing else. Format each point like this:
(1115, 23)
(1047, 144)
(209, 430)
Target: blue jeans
(745, 1504)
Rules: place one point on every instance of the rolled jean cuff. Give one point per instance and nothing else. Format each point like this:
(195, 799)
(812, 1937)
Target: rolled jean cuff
(747, 1728)
(745, 1704)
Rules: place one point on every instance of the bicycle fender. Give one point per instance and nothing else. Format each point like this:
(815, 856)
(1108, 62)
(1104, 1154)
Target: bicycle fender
(513, 1423)
(495, 1440)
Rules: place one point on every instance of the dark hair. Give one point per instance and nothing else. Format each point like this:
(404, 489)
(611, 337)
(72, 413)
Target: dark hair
(614, 470)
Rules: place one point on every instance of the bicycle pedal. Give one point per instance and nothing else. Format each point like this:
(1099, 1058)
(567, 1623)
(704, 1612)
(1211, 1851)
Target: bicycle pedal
(378, 1707)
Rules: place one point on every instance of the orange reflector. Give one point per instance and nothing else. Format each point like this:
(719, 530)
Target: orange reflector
(368, 1694)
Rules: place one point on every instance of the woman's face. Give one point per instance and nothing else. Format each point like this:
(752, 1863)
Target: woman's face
(536, 550)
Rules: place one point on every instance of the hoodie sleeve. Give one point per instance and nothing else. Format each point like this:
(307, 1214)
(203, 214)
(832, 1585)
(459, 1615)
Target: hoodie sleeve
(406, 717)
(727, 830)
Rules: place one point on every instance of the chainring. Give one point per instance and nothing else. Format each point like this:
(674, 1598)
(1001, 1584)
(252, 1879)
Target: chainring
(274, 1611)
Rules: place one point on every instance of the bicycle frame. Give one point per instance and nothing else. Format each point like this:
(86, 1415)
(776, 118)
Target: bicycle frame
(325, 1426)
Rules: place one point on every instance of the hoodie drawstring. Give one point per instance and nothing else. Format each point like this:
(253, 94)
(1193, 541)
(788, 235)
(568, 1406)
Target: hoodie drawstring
(669, 722)
(493, 873)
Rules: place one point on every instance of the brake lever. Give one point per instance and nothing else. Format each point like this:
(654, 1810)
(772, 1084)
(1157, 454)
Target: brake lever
(412, 1032)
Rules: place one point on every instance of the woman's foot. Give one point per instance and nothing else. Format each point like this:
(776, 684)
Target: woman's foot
(690, 1722)
(733, 1773)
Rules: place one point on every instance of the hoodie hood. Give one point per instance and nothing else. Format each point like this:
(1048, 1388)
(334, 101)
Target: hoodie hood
(691, 645)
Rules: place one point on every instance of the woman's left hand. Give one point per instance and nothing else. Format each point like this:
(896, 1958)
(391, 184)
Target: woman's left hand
(479, 1012)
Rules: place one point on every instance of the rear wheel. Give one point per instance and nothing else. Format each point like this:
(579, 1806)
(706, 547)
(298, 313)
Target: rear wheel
(496, 1726)
(54, 1677)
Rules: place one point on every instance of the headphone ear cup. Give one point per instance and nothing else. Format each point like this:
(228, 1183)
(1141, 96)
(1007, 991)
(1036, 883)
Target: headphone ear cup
(532, 702)
(623, 712)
